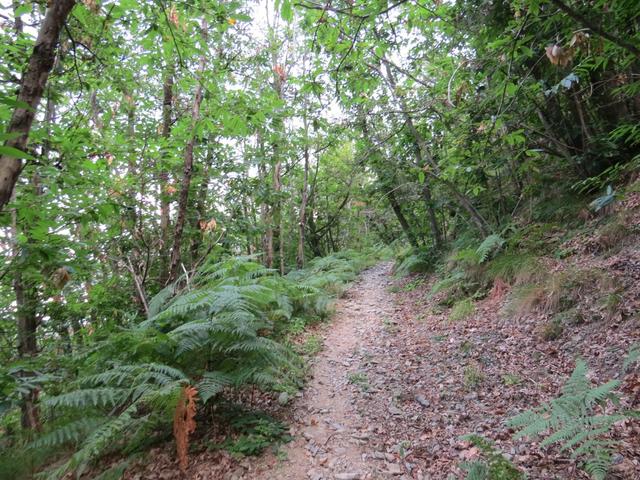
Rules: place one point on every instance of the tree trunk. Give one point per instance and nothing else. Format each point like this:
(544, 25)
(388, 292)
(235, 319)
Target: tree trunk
(167, 102)
(426, 161)
(277, 212)
(201, 204)
(31, 89)
(395, 206)
(265, 211)
(419, 147)
(188, 170)
(303, 201)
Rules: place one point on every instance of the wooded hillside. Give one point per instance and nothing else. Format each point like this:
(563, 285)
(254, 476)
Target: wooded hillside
(187, 186)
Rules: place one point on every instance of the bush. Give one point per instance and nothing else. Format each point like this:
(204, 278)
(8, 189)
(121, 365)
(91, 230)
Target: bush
(415, 262)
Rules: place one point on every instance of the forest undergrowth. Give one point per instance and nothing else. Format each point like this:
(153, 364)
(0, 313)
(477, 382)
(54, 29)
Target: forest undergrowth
(519, 353)
(210, 343)
(186, 188)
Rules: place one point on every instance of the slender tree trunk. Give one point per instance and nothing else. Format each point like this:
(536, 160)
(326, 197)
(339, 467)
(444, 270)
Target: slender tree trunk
(395, 206)
(266, 217)
(188, 169)
(431, 168)
(26, 290)
(303, 202)
(167, 103)
(31, 89)
(201, 204)
(278, 126)
(277, 213)
(419, 146)
(389, 190)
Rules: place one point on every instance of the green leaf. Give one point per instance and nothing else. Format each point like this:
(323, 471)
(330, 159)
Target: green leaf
(286, 10)
(22, 9)
(9, 136)
(15, 153)
(12, 102)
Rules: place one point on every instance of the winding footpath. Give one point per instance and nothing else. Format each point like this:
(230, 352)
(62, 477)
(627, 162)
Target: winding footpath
(331, 436)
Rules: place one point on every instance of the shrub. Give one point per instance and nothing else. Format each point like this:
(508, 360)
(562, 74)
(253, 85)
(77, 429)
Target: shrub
(415, 262)
(515, 267)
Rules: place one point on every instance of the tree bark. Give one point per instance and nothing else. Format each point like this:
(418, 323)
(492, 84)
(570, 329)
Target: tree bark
(265, 211)
(32, 86)
(167, 102)
(188, 169)
(406, 228)
(303, 201)
(421, 156)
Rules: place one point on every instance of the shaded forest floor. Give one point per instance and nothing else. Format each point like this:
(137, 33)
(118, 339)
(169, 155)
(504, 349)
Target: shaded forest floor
(398, 382)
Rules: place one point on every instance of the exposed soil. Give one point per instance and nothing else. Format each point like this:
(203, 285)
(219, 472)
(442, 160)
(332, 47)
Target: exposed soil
(332, 434)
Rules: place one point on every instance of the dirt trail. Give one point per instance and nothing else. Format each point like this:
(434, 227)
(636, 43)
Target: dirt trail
(331, 436)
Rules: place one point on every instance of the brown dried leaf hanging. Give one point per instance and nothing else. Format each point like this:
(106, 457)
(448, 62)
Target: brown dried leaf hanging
(579, 39)
(280, 72)
(558, 55)
(184, 423)
(208, 226)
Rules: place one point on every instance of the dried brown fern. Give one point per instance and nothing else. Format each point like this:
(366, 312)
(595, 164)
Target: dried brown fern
(184, 423)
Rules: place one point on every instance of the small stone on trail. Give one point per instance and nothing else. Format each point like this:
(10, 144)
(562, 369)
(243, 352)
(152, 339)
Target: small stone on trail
(423, 401)
(394, 469)
(393, 410)
(283, 398)
(348, 476)
(315, 474)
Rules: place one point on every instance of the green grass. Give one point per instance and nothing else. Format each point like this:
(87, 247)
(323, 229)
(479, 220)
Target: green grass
(461, 310)
(472, 377)
(359, 379)
(312, 345)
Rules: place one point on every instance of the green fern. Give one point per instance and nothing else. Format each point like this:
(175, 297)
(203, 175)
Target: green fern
(72, 432)
(219, 332)
(493, 466)
(489, 247)
(570, 420)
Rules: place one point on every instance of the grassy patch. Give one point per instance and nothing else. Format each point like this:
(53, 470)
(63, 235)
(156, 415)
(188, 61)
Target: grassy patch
(551, 330)
(511, 379)
(413, 284)
(461, 310)
(359, 379)
(312, 345)
(473, 377)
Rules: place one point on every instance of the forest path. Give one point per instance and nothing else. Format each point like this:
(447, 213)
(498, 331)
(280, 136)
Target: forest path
(331, 437)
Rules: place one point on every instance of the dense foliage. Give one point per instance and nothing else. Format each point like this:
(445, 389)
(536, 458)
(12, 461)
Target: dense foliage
(173, 173)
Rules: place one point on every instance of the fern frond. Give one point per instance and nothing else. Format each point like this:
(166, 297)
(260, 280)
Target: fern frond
(212, 383)
(489, 247)
(71, 432)
(88, 397)
(570, 421)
